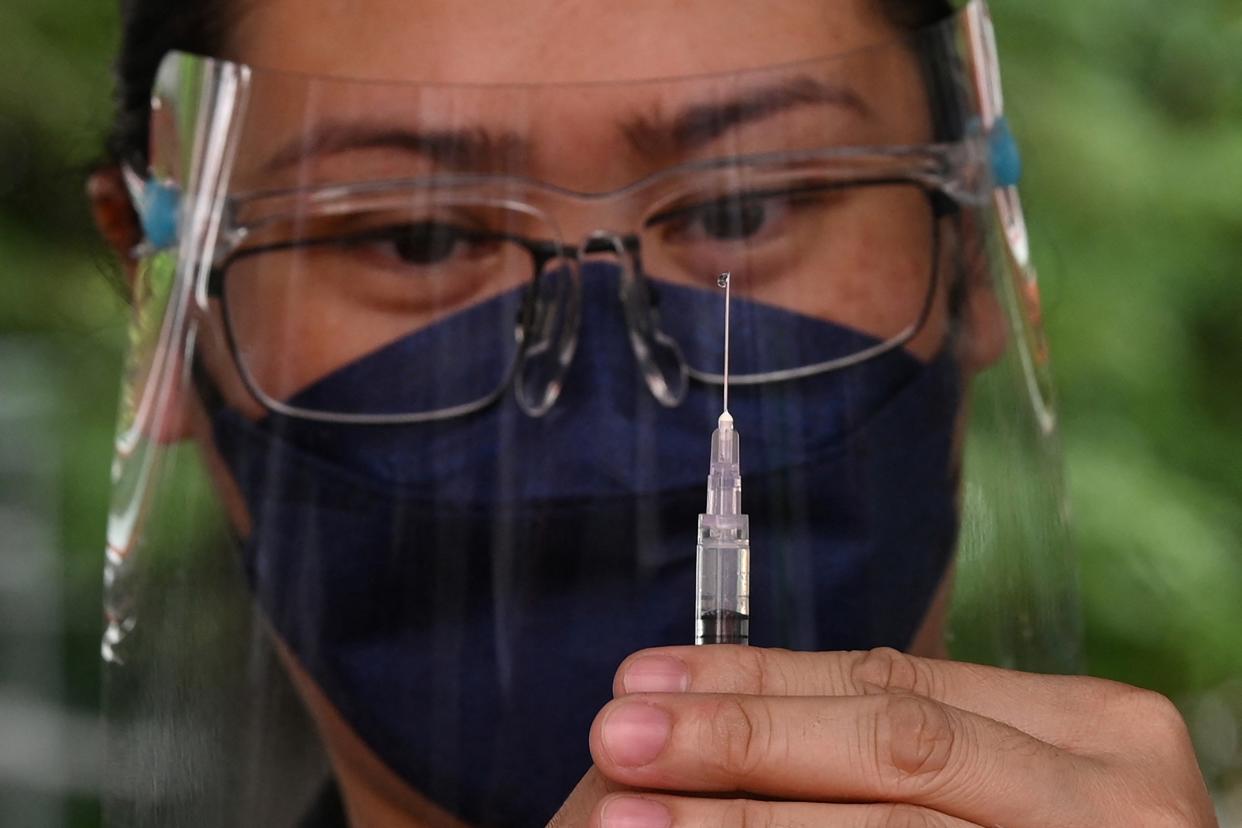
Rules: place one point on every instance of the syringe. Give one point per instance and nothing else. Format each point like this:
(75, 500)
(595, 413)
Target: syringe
(722, 560)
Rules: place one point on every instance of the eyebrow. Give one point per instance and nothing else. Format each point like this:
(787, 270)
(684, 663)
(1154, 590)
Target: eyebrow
(479, 149)
(476, 149)
(701, 124)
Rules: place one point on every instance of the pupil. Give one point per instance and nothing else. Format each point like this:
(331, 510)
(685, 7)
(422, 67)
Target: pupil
(734, 219)
(426, 242)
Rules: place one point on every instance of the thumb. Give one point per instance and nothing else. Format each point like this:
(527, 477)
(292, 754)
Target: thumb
(576, 812)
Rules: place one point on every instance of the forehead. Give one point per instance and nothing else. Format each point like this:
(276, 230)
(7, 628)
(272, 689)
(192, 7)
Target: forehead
(592, 136)
(538, 41)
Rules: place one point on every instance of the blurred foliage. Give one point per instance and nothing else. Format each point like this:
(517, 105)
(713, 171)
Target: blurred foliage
(56, 283)
(1130, 116)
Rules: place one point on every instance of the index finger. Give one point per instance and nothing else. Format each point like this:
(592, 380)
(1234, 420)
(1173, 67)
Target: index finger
(893, 748)
(1042, 705)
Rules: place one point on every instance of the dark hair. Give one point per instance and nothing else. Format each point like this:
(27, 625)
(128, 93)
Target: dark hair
(915, 14)
(152, 28)
(149, 30)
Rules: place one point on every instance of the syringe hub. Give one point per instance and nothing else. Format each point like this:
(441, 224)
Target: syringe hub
(724, 476)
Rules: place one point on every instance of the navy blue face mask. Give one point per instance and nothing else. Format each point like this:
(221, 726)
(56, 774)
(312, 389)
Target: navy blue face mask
(463, 591)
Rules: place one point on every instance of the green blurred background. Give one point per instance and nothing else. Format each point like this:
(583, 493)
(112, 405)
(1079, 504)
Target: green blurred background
(1130, 116)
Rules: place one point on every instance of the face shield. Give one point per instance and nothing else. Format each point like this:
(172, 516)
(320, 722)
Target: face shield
(419, 406)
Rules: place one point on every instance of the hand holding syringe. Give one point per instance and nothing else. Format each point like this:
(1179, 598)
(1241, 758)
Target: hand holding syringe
(722, 560)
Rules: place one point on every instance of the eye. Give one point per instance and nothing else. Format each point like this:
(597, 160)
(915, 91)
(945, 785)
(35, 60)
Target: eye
(428, 242)
(731, 219)
(737, 217)
(749, 216)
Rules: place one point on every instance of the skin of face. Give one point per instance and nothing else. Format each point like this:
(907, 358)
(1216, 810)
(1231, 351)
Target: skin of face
(540, 42)
(590, 138)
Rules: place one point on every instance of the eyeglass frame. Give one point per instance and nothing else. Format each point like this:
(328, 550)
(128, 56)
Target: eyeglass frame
(949, 174)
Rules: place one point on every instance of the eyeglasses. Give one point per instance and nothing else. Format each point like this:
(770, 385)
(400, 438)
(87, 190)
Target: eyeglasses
(311, 281)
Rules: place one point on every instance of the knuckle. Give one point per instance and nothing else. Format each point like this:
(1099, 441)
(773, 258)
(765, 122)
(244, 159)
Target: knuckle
(746, 813)
(885, 670)
(1158, 719)
(1163, 714)
(736, 669)
(757, 671)
(1099, 690)
(737, 737)
(915, 740)
(906, 816)
(1106, 703)
(774, 678)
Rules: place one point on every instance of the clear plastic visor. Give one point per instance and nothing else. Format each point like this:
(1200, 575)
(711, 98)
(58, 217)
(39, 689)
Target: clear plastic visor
(419, 408)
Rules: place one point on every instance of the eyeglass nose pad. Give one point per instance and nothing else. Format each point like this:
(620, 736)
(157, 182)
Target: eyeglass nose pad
(659, 356)
(548, 332)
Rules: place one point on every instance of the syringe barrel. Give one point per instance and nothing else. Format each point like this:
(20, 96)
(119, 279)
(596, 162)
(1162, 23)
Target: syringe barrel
(722, 569)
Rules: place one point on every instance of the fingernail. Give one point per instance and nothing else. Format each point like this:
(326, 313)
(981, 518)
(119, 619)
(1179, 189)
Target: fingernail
(656, 674)
(635, 733)
(634, 812)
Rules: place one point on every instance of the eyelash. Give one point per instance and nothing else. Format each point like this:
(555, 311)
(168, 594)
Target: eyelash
(440, 237)
(443, 237)
(679, 222)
